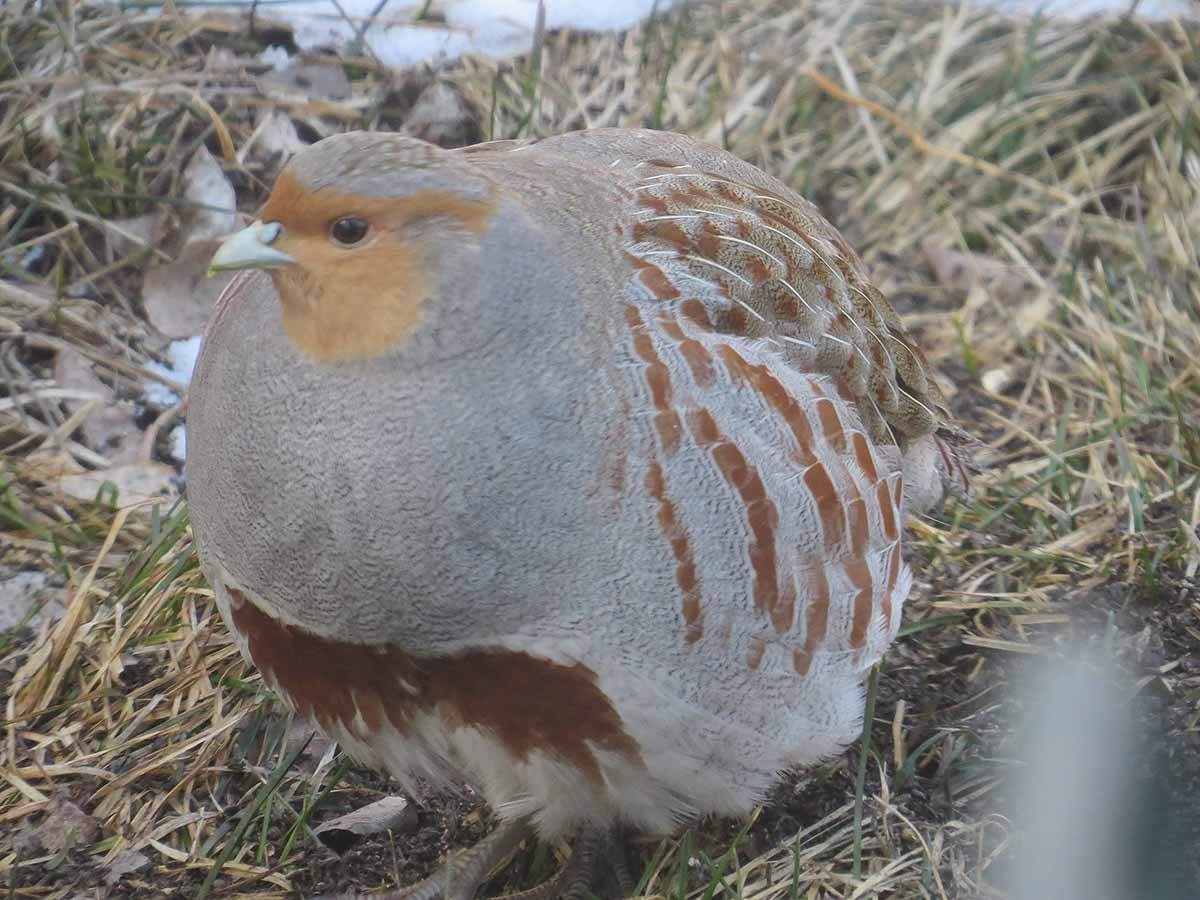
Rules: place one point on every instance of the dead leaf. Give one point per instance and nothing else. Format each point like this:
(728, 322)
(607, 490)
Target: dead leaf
(206, 186)
(306, 81)
(959, 271)
(179, 295)
(317, 751)
(299, 731)
(1002, 301)
(390, 813)
(149, 227)
(277, 134)
(66, 825)
(124, 863)
(135, 482)
(109, 428)
(211, 212)
(21, 592)
(441, 116)
(25, 842)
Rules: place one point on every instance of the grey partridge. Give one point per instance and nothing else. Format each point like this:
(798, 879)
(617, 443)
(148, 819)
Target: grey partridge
(572, 469)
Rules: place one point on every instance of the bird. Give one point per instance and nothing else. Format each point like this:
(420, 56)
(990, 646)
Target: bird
(572, 469)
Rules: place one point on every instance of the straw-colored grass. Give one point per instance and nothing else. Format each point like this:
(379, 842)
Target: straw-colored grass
(1028, 192)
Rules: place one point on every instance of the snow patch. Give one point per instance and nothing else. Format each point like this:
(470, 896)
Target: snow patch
(503, 28)
(181, 357)
(1078, 9)
(179, 443)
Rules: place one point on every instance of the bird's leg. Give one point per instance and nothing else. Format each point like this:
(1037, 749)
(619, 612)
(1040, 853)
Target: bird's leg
(613, 851)
(464, 872)
(576, 875)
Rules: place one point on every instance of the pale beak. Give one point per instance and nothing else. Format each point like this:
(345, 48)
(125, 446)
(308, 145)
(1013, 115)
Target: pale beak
(250, 248)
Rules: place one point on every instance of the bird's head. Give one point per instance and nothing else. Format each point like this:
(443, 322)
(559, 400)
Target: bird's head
(353, 233)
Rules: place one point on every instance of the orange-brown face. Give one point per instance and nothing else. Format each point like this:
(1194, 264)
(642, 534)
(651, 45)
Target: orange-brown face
(351, 270)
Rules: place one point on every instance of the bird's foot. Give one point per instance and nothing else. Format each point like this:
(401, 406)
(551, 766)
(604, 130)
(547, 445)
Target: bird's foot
(464, 873)
(576, 875)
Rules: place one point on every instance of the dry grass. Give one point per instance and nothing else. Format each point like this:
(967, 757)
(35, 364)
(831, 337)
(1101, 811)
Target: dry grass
(1028, 192)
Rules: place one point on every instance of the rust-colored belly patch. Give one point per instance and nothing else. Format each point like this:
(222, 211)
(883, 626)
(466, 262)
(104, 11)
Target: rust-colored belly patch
(527, 703)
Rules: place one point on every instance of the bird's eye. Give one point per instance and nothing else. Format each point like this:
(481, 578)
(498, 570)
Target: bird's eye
(348, 230)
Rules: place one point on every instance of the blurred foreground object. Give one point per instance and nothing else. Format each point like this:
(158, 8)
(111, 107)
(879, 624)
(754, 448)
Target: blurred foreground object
(1094, 817)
